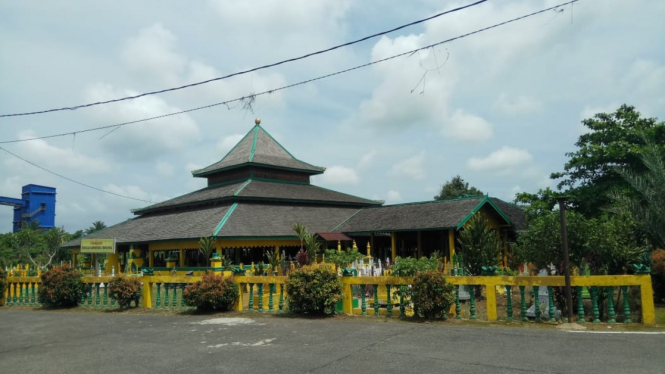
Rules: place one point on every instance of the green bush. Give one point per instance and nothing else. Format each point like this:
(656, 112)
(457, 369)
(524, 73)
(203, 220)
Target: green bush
(431, 295)
(658, 274)
(313, 290)
(3, 282)
(125, 290)
(213, 292)
(61, 287)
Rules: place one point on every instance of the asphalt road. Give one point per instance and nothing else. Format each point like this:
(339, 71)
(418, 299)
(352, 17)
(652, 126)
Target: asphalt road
(65, 342)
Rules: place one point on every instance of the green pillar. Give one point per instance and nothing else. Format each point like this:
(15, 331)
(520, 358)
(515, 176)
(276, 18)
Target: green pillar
(281, 298)
(260, 290)
(89, 295)
(458, 307)
(611, 314)
(106, 297)
(626, 307)
(389, 302)
(376, 300)
(594, 300)
(270, 291)
(34, 298)
(174, 301)
(182, 295)
(402, 308)
(509, 302)
(523, 305)
(251, 297)
(580, 306)
(159, 300)
(363, 289)
(472, 301)
(166, 296)
(21, 298)
(551, 311)
(537, 302)
(82, 300)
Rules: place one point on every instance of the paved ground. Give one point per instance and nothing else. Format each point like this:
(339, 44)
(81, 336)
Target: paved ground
(64, 342)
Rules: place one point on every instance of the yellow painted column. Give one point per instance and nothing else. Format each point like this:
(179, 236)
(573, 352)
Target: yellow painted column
(339, 246)
(490, 289)
(216, 263)
(239, 301)
(646, 294)
(420, 244)
(393, 246)
(451, 242)
(182, 258)
(112, 263)
(147, 293)
(347, 298)
(369, 250)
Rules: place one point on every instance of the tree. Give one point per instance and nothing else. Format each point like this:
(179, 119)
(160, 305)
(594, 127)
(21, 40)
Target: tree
(455, 188)
(538, 204)
(480, 245)
(96, 226)
(301, 233)
(647, 205)
(207, 247)
(614, 140)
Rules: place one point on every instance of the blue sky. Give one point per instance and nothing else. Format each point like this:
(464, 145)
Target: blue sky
(500, 108)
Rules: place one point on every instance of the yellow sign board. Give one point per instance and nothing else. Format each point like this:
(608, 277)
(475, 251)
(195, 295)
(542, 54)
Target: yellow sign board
(97, 245)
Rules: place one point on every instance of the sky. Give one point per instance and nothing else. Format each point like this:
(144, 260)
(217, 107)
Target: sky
(500, 108)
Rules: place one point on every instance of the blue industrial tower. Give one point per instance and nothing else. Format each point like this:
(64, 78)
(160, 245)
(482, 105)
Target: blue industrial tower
(36, 203)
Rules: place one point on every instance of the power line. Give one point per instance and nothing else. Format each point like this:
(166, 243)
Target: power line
(250, 70)
(72, 180)
(293, 84)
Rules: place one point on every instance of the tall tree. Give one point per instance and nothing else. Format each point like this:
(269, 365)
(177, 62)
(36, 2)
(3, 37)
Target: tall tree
(647, 206)
(96, 226)
(455, 188)
(613, 140)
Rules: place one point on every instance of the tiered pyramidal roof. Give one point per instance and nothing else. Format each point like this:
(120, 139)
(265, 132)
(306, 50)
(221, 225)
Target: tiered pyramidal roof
(257, 190)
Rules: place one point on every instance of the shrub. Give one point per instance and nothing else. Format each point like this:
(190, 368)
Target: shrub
(313, 290)
(61, 287)
(3, 283)
(125, 290)
(213, 292)
(658, 274)
(431, 295)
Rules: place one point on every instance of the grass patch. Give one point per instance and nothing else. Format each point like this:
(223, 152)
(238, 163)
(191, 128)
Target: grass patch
(660, 315)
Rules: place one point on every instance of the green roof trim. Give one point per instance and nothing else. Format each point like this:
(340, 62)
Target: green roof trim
(195, 173)
(287, 151)
(256, 135)
(485, 200)
(312, 172)
(378, 203)
(348, 218)
(242, 187)
(226, 217)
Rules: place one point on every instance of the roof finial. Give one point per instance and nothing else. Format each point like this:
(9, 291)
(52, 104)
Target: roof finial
(257, 121)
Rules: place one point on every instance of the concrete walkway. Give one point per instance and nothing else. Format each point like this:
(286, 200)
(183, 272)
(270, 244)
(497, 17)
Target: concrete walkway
(66, 342)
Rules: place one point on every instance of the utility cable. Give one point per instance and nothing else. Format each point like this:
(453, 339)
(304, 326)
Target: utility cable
(249, 70)
(72, 180)
(293, 84)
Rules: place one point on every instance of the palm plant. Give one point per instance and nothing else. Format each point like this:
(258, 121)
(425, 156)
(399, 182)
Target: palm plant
(207, 247)
(647, 206)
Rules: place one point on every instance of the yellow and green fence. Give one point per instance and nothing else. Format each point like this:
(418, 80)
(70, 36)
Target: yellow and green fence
(268, 294)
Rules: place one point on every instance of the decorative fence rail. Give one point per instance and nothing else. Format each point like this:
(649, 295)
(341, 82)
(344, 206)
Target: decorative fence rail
(268, 294)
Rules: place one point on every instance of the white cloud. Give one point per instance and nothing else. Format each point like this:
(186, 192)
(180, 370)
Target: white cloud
(517, 106)
(506, 158)
(151, 53)
(164, 169)
(141, 142)
(468, 127)
(225, 144)
(367, 160)
(339, 175)
(412, 167)
(133, 191)
(56, 158)
(393, 197)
